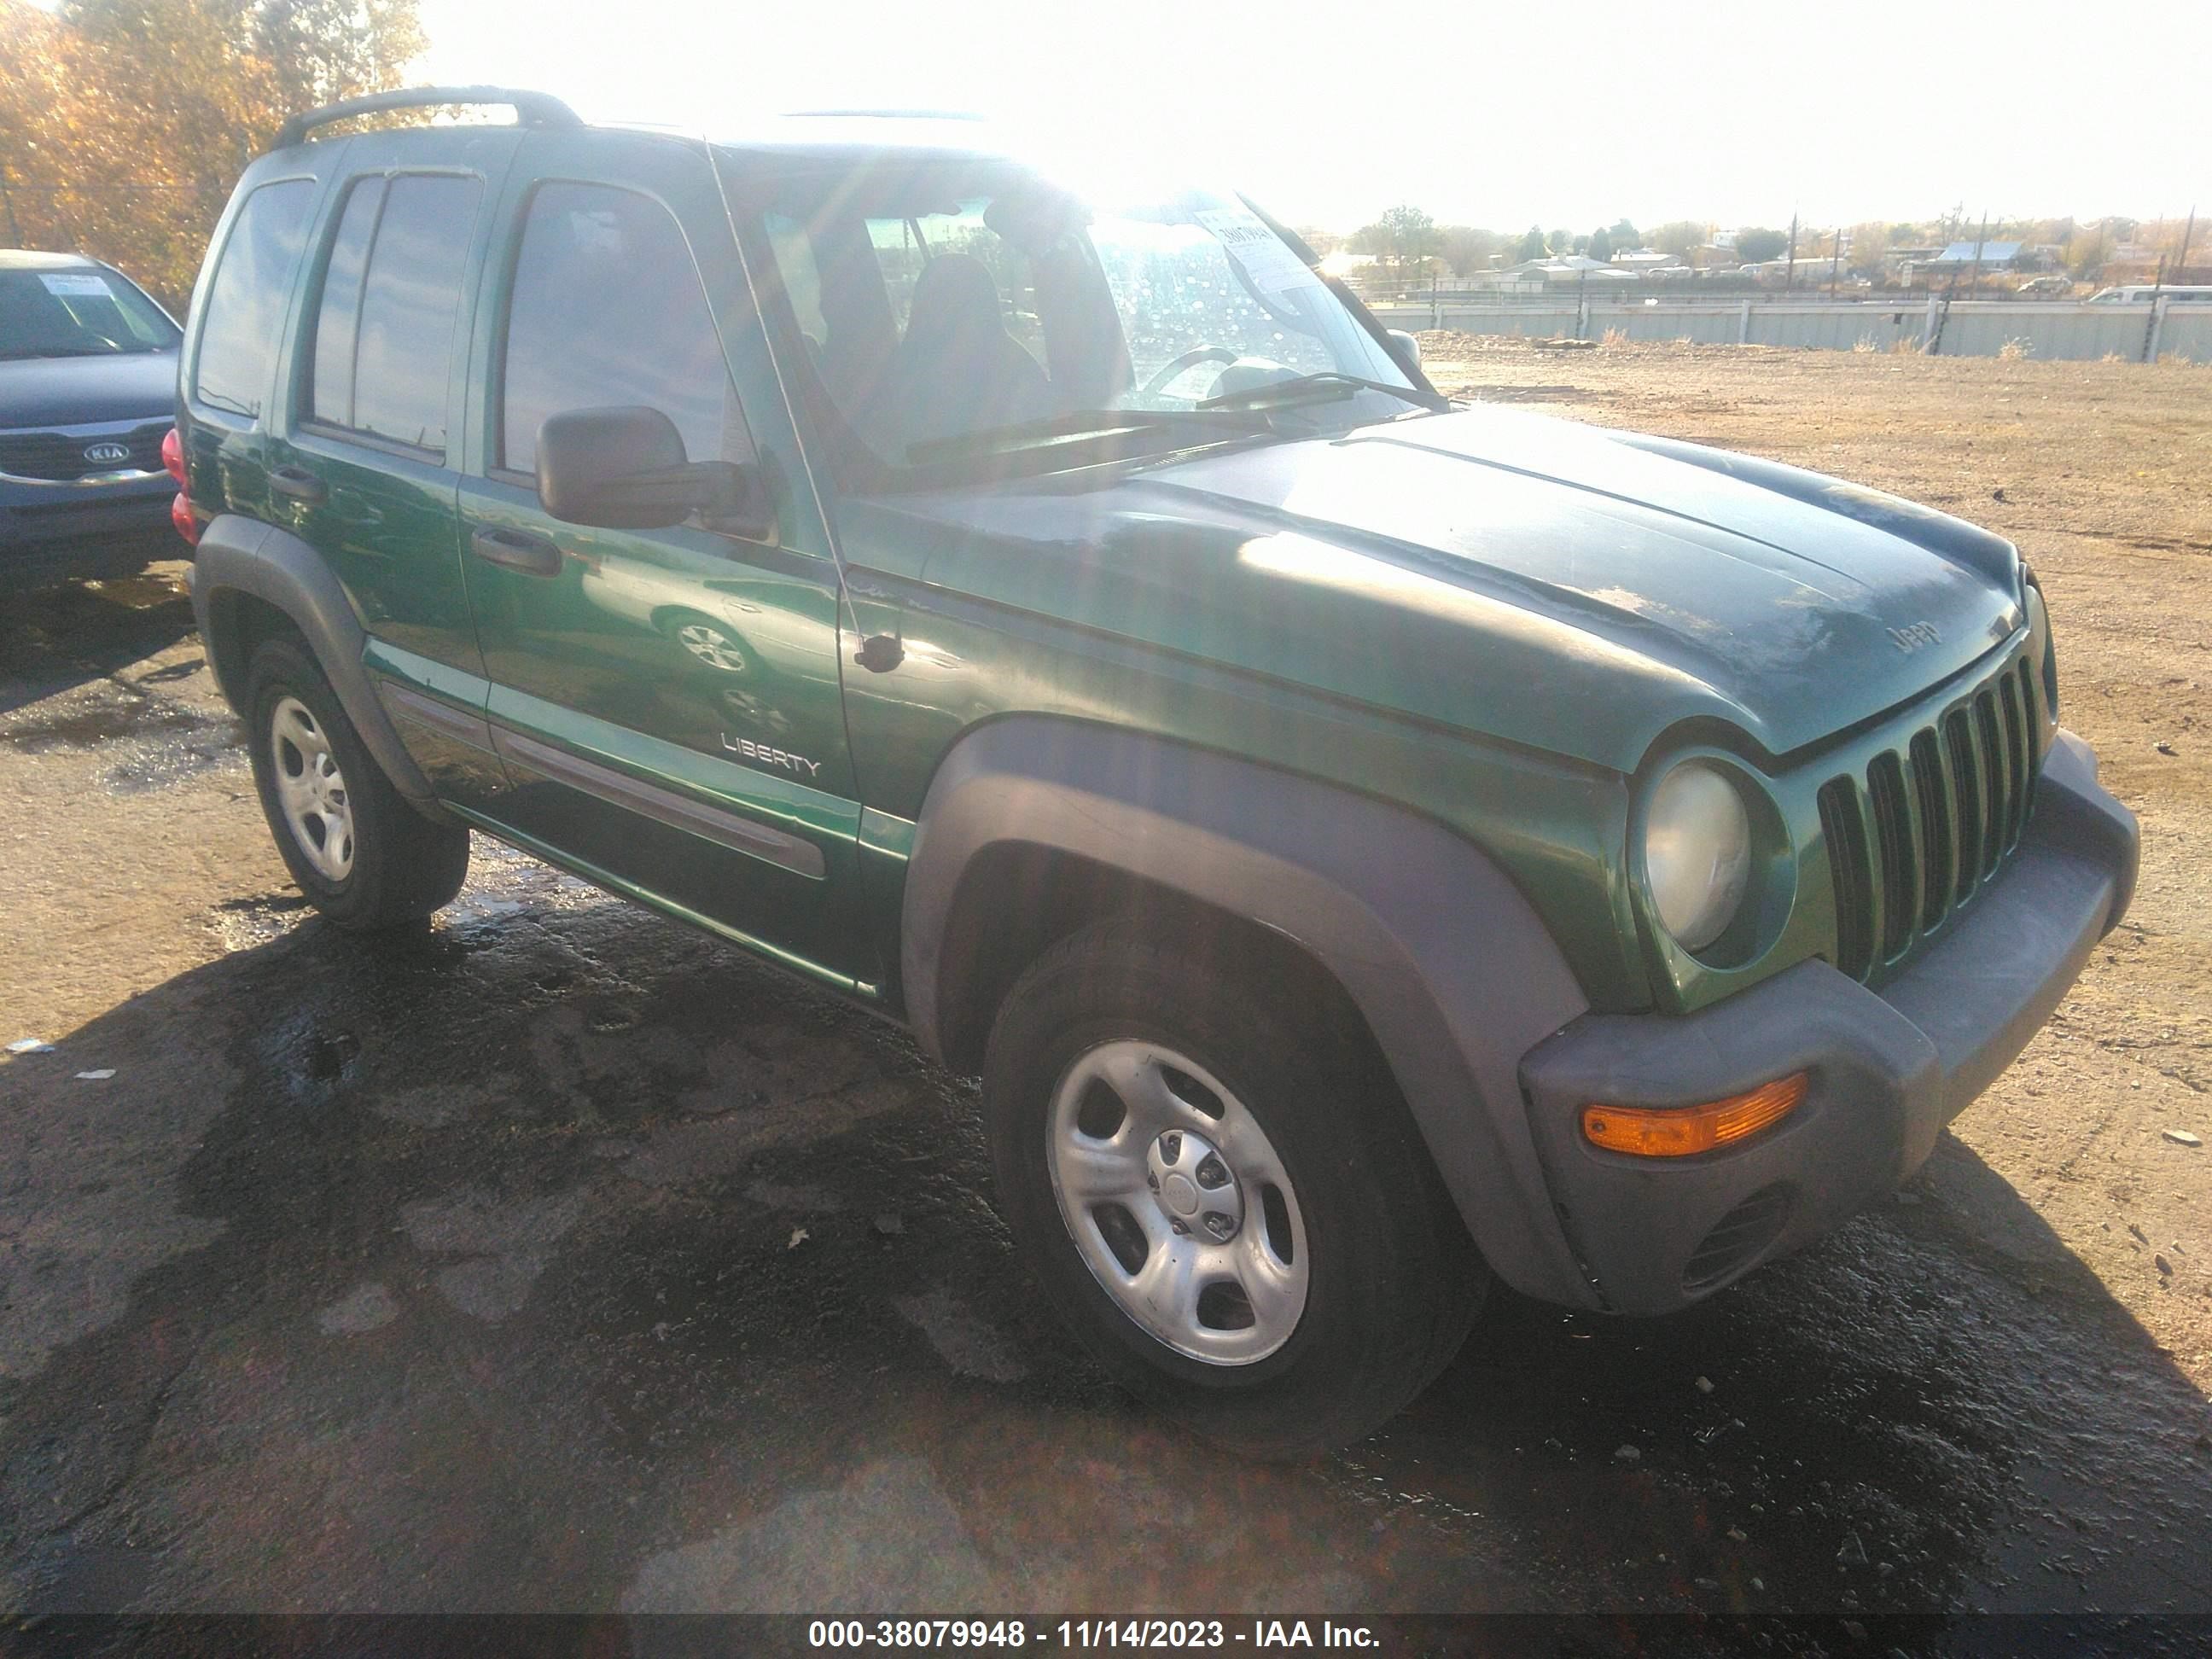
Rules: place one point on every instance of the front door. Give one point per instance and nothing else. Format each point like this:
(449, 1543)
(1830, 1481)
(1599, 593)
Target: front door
(666, 702)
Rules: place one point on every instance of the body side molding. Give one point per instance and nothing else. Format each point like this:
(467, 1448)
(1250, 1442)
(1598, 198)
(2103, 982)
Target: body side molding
(529, 755)
(1449, 964)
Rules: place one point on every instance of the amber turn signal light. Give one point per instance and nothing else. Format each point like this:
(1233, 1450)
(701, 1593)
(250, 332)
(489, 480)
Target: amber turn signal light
(1680, 1131)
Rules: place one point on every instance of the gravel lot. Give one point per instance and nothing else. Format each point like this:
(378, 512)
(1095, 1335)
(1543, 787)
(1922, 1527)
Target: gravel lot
(561, 1260)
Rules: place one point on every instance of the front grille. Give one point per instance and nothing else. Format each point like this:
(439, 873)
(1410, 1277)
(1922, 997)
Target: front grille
(58, 457)
(1915, 836)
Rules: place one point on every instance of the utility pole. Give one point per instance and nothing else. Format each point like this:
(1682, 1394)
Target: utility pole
(1790, 271)
(2157, 312)
(2180, 265)
(1935, 345)
(1835, 265)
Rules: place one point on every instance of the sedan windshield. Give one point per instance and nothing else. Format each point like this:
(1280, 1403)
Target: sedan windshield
(951, 312)
(87, 313)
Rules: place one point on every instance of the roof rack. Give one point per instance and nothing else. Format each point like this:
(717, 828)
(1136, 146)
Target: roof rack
(884, 115)
(531, 109)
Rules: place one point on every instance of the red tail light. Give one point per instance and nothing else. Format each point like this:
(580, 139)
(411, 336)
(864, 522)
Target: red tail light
(180, 509)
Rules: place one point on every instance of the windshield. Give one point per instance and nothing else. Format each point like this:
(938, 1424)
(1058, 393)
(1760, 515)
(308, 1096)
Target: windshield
(955, 311)
(78, 313)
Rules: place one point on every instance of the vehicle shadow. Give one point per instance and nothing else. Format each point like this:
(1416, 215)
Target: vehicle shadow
(557, 1259)
(52, 639)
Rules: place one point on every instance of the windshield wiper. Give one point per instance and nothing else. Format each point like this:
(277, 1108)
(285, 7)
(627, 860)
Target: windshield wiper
(1084, 423)
(1314, 388)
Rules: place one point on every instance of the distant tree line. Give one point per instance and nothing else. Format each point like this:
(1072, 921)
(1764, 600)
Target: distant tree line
(1412, 241)
(124, 124)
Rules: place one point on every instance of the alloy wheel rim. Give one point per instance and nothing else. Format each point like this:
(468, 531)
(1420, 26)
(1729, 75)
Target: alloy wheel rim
(1177, 1203)
(310, 789)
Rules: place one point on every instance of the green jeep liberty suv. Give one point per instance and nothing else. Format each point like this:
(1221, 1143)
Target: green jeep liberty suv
(1365, 844)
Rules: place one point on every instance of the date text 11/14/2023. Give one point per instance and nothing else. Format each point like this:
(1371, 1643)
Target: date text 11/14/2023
(1090, 1635)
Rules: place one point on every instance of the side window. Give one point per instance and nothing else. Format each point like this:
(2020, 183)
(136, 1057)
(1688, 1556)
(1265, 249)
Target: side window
(608, 309)
(384, 333)
(329, 395)
(246, 296)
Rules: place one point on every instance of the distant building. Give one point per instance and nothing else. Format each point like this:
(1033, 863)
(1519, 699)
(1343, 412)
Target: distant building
(1971, 255)
(1569, 271)
(1642, 260)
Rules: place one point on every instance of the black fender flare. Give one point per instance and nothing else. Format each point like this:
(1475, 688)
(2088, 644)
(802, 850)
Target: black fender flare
(1454, 972)
(238, 555)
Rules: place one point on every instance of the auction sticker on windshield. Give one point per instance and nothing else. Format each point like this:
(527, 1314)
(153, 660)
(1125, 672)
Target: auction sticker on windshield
(1261, 254)
(77, 285)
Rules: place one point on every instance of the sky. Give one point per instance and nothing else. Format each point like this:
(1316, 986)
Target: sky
(1501, 115)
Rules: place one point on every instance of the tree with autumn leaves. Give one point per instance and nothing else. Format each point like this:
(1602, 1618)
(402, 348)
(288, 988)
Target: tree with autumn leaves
(124, 124)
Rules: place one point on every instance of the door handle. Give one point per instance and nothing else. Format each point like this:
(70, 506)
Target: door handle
(516, 549)
(296, 484)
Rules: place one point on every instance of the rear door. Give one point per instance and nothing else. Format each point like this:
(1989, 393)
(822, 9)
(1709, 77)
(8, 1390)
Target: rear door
(237, 326)
(667, 702)
(366, 462)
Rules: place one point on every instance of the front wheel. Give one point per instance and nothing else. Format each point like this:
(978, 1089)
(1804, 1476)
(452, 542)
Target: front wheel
(1224, 1196)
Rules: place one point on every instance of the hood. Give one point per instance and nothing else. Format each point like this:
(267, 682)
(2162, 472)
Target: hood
(1546, 583)
(49, 391)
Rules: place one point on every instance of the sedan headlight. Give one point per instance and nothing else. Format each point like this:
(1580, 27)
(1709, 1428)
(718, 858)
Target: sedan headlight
(1697, 853)
(2046, 654)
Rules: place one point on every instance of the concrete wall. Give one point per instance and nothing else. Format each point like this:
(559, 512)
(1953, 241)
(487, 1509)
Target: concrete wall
(1974, 328)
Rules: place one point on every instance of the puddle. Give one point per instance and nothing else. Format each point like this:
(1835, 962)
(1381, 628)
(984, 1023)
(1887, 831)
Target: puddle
(103, 723)
(240, 924)
(155, 743)
(142, 591)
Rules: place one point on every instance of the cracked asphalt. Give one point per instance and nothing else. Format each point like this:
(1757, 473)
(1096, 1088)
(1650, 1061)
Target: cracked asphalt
(558, 1259)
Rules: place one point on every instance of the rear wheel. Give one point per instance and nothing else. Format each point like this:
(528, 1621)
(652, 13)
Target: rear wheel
(1225, 1198)
(362, 855)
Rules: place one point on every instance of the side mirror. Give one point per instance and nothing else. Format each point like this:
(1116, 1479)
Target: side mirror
(625, 468)
(1405, 347)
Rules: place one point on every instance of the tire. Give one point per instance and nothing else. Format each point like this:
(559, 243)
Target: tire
(1390, 1281)
(363, 856)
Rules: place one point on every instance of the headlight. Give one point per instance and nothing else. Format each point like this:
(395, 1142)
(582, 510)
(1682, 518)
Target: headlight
(2046, 654)
(1697, 853)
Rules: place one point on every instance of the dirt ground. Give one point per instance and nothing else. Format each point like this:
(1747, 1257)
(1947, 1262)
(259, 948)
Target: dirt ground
(562, 1259)
(2101, 473)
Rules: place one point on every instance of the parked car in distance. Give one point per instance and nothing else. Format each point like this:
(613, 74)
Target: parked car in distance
(1366, 846)
(87, 393)
(2045, 287)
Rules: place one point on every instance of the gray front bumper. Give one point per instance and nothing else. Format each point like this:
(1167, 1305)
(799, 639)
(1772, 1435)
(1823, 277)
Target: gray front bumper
(52, 531)
(1888, 1069)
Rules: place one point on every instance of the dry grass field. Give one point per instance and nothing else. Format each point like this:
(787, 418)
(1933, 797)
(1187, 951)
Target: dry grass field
(2102, 474)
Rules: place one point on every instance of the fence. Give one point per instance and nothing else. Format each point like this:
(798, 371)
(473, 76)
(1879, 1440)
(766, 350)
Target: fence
(2067, 331)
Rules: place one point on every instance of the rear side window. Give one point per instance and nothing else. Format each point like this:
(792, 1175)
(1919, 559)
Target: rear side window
(246, 296)
(330, 394)
(384, 332)
(608, 309)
